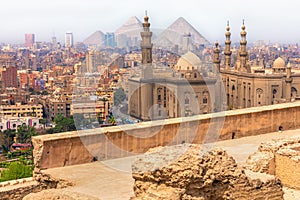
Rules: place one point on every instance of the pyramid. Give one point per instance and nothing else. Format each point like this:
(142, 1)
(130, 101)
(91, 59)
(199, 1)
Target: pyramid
(131, 28)
(96, 38)
(176, 30)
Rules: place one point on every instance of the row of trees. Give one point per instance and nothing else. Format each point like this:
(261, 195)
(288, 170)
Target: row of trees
(22, 135)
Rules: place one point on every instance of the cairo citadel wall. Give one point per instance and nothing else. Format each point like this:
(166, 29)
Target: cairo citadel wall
(78, 147)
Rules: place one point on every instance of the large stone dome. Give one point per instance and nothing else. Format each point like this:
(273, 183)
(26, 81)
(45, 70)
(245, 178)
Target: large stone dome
(279, 63)
(188, 61)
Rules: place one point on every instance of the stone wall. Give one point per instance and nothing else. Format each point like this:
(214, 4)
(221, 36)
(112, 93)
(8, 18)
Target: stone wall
(280, 158)
(181, 172)
(17, 189)
(72, 148)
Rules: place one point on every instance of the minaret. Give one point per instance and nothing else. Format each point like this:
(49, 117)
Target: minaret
(146, 44)
(217, 58)
(243, 50)
(288, 82)
(227, 51)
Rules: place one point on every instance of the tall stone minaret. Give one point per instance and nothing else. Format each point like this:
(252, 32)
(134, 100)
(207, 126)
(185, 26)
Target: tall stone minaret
(243, 51)
(227, 51)
(217, 58)
(288, 82)
(146, 44)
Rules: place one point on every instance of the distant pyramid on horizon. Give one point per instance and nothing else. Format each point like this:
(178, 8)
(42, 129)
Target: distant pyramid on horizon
(176, 31)
(132, 27)
(96, 38)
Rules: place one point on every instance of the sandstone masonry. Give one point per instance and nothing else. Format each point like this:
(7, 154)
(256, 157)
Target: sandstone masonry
(185, 172)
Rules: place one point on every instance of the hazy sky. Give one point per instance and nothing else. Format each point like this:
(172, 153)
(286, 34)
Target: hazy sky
(274, 20)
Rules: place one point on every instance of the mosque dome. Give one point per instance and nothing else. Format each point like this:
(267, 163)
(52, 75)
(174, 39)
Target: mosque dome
(279, 63)
(188, 61)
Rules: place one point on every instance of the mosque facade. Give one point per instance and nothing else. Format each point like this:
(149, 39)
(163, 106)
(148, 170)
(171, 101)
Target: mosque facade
(188, 88)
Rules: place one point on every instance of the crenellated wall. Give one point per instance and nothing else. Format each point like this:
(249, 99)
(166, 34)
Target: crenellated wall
(79, 147)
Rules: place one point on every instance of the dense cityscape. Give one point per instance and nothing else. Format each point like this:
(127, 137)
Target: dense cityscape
(133, 75)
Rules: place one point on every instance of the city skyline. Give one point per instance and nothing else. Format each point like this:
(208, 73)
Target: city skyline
(269, 20)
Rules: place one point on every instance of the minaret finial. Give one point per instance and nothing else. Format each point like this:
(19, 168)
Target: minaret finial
(217, 44)
(145, 12)
(243, 21)
(227, 22)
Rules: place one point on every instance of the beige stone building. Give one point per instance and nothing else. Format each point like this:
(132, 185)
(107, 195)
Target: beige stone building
(189, 88)
(162, 92)
(250, 86)
(19, 110)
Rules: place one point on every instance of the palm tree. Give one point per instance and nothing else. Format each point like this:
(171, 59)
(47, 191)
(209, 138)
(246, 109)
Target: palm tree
(104, 100)
(8, 135)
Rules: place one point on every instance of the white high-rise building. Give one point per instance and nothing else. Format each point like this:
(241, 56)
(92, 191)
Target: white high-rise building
(69, 39)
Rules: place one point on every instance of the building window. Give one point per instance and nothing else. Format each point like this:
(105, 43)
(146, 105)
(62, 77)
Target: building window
(187, 101)
(159, 97)
(204, 100)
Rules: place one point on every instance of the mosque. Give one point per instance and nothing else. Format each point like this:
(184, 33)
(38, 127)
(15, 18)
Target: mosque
(251, 87)
(189, 88)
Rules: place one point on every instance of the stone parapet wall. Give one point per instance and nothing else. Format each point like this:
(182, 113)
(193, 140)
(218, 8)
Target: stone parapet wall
(79, 147)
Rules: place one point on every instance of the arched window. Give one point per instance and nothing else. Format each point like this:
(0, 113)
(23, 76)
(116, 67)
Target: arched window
(294, 92)
(159, 97)
(233, 88)
(205, 97)
(187, 101)
(259, 93)
(274, 93)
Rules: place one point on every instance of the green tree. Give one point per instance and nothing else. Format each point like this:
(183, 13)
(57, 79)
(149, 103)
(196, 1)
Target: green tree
(43, 121)
(99, 118)
(25, 133)
(63, 124)
(8, 138)
(119, 96)
(112, 120)
(16, 170)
